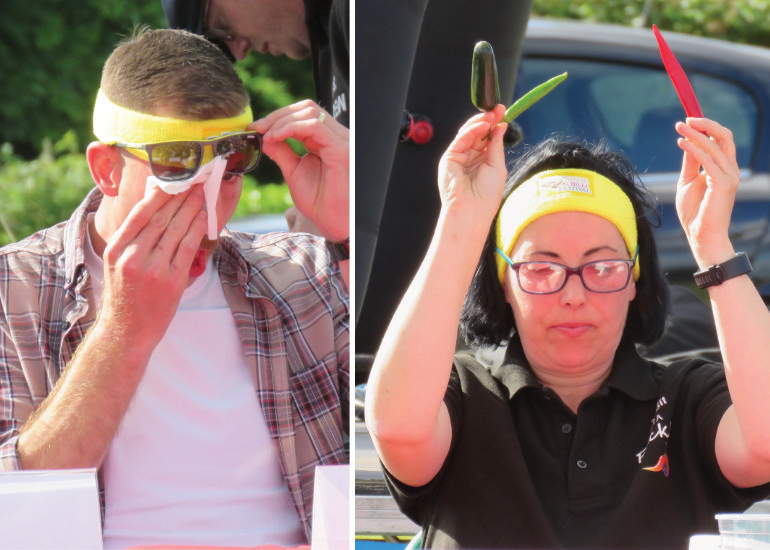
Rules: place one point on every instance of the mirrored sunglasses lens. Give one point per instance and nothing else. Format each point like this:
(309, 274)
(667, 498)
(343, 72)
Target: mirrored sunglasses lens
(243, 151)
(175, 161)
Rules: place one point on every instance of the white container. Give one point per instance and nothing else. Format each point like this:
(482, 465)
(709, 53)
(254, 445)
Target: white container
(744, 531)
(705, 542)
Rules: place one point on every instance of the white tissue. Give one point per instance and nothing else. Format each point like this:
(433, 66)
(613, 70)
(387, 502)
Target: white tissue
(210, 175)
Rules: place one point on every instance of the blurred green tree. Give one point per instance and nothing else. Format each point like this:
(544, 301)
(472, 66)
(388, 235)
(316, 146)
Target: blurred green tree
(743, 21)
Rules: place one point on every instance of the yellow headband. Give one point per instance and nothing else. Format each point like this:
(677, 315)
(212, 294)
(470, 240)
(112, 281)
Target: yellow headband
(116, 124)
(564, 190)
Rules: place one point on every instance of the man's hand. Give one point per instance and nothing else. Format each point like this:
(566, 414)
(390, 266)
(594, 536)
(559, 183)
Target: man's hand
(146, 268)
(319, 181)
(147, 264)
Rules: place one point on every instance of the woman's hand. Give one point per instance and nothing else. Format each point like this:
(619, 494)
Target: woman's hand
(472, 171)
(705, 198)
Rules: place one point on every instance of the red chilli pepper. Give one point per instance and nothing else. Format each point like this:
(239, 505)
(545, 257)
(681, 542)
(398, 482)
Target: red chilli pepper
(678, 78)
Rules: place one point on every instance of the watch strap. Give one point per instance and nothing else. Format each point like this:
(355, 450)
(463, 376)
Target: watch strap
(340, 250)
(718, 274)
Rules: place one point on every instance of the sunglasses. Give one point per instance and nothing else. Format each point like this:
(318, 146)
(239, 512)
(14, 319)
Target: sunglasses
(180, 160)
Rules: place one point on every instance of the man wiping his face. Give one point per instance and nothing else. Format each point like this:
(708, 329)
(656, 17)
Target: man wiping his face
(182, 153)
(204, 372)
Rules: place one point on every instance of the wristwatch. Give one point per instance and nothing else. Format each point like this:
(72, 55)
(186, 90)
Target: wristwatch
(718, 274)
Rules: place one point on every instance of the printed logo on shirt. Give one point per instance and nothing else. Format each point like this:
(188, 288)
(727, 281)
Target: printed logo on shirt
(654, 456)
(661, 466)
(339, 99)
(340, 105)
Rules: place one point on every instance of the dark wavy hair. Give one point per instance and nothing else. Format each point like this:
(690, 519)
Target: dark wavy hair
(487, 319)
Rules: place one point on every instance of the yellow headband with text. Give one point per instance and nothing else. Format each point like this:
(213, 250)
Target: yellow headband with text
(564, 190)
(116, 124)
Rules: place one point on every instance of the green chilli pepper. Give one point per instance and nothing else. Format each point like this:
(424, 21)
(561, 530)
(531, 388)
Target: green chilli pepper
(485, 90)
(533, 96)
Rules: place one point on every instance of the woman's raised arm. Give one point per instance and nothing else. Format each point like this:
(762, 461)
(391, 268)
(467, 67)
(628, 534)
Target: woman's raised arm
(405, 414)
(704, 203)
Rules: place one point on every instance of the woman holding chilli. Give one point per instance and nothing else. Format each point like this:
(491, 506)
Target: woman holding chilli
(575, 440)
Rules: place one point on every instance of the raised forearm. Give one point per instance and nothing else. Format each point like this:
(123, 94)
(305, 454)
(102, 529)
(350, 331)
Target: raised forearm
(412, 367)
(743, 327)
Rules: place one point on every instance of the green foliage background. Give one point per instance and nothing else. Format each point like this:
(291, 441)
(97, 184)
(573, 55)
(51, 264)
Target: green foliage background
(744, 21)
(52, 51)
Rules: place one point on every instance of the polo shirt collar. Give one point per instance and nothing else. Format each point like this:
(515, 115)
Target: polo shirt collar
(514, 373)
(631, 373)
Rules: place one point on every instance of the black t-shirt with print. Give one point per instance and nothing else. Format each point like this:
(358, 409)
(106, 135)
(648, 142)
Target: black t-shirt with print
(635, 468)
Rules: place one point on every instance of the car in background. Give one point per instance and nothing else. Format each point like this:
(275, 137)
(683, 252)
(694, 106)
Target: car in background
(618, 91)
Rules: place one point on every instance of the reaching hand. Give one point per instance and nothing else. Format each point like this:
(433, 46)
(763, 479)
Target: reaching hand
(319, 180)
(472, 172)
(704, 199)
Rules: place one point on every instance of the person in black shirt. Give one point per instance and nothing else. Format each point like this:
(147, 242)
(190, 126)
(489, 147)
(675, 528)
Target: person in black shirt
(575, 440)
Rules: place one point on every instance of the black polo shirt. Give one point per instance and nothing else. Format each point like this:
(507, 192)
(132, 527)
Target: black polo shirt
(635, 468)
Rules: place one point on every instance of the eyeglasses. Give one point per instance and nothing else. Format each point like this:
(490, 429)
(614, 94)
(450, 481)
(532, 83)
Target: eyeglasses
(603, 276)
(179, 160)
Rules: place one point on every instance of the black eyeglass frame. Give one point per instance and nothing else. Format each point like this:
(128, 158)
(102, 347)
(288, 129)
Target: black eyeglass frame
(202, 144)
(569, 271)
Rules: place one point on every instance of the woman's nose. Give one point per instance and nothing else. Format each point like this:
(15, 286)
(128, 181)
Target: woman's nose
(574, 292)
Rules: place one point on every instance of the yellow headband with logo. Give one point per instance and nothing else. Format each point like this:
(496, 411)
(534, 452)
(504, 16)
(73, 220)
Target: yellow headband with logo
(116, 124)
(564, 190)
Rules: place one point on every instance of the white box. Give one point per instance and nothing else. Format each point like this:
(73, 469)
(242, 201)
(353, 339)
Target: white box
(51, 509)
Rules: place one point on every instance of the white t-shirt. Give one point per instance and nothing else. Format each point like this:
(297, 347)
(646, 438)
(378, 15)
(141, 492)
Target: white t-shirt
(193, 461)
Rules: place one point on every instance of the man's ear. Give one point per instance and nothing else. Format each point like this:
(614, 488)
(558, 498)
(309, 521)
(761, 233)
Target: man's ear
(106, 165)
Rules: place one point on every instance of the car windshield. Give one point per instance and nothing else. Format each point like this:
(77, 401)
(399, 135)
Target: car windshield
(634, 108)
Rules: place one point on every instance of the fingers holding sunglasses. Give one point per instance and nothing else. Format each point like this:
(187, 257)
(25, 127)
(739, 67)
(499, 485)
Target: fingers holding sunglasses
(306, 110)
(309, 124)
(319, 179)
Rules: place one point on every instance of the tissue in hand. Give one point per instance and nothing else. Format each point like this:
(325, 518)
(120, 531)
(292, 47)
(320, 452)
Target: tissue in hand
(210, 175)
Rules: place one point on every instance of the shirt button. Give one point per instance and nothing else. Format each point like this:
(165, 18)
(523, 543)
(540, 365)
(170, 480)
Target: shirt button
(582, 464)
(566, 428)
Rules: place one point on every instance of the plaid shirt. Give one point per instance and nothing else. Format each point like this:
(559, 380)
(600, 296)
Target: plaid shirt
(290, 306)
